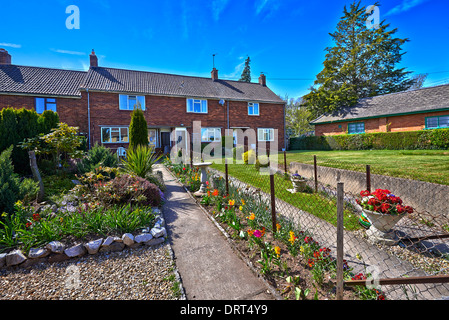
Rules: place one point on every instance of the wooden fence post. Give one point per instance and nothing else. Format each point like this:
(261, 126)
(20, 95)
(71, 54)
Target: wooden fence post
(315, 173)
(273, 201)
(340, 207)
(226, 176)
(285, 162)
(368, 177)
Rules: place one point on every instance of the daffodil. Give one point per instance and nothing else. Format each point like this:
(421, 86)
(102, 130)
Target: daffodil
(231, 202)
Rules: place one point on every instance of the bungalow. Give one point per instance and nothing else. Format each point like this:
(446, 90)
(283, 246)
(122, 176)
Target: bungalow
(425, 108)
(99, 101)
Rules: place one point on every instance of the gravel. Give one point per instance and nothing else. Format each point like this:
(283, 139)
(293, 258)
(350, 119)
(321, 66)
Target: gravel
(143, 273)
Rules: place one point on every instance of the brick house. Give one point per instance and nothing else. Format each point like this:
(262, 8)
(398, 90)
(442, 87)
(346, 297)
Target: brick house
(100, 102)
(420, 109)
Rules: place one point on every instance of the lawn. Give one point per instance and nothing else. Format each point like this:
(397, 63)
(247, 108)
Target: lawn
(317, 204)
(424, 165)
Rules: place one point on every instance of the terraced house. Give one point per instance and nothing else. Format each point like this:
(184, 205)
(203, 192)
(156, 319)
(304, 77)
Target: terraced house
(100, 101)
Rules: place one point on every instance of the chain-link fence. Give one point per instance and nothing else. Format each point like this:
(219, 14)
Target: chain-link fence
(406, 258)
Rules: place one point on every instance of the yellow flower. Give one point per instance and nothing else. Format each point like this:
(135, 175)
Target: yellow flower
(231, 202)
(252, 216)
(241, 208)
(277, 250)
(301, 249)
(243, 202)
(278, 227)
(61, 219)
(292, 237)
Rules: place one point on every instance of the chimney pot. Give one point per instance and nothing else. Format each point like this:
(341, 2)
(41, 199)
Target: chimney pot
(93, 59)
(263, 80)
(5, 57)
(214, 74)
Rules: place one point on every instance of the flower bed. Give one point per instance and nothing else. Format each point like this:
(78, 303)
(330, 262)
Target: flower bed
(296, 265)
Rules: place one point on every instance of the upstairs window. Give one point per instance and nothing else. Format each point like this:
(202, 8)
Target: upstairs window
(197, 105)
(253, 109)
(437, 122)
(355, 128)
(129, 102)
(42, 104)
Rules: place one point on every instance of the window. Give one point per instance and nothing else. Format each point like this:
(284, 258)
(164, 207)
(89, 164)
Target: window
(358, 127)
(43, 104)
(210, 134)
(437, 122)
(114, 134)
(253, 109)
(197, 105)
(265, 134)
(128, 102)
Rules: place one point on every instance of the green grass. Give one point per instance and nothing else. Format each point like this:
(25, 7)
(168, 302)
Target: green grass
(314, 203)
(424, 165)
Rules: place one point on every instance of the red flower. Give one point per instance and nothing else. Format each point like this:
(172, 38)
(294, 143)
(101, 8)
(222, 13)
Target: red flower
(384, 207)
(308, 239)
(28, 224)
(409, 209)
(400, 208)
(36, 217)
(364, 193)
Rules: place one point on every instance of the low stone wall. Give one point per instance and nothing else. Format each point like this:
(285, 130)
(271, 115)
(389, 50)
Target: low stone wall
(426, 198)
(55, 251)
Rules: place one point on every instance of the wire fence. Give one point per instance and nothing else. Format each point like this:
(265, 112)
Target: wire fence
(321, 203)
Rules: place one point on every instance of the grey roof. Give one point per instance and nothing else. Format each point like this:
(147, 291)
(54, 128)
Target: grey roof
(413, 101)
(40, 81)
(152, 83)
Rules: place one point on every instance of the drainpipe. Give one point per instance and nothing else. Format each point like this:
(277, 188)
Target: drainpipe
(228, 114)
(88, 116)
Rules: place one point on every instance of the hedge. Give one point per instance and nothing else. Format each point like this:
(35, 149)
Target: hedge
(408, 140)
(18, 124)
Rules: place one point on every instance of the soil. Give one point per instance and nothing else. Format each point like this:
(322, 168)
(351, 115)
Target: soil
(296, 267)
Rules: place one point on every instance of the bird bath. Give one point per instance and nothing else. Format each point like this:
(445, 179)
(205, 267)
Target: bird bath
(203, 188)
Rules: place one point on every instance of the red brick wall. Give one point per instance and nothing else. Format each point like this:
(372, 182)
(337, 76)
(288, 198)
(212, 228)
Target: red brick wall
(72, 111)
(172, 112)
(160, 111)
(409, 122)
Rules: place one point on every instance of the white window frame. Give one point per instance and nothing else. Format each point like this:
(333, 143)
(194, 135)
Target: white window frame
(252, 105)
(128, 107)
(111, 129)
(209, 129)
(194, 100)
(261, 134)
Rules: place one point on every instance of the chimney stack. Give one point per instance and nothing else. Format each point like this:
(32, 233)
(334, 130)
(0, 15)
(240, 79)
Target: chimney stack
(262, 80)
(5, 57)
(93, 59)
(214, 74)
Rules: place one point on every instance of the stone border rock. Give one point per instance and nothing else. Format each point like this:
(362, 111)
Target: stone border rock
(55, 251)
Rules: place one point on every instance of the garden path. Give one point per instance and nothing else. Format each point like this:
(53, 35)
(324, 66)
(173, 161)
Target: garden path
(208, 266)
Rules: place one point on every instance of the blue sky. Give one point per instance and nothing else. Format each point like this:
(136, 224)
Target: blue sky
(285, 39)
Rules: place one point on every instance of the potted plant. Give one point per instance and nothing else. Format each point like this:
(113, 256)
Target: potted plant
(381, 210)
(299, 182)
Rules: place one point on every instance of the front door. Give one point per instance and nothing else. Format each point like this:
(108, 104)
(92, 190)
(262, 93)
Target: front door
(165, 142)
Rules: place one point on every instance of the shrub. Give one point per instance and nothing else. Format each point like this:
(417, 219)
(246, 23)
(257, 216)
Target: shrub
(98, 156)
(140, 161)
(11, 189)
(249, 157)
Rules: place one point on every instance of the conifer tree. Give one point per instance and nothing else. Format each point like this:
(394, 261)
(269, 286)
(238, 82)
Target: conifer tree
(362, 63)
(138, 129)
(246, 73)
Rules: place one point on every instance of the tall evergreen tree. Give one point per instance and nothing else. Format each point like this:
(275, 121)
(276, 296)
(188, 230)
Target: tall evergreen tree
(246, 73)
(138, 129)
(362, 63)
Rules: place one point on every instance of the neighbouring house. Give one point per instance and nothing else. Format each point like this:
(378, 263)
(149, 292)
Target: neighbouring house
(100, 101)
(419, 109)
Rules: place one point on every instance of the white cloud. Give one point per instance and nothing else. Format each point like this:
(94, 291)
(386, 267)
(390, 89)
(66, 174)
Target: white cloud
(69, 52)
(12, 45)
(404, 6)
(217, 7)
(260, 6)
(237, 70)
